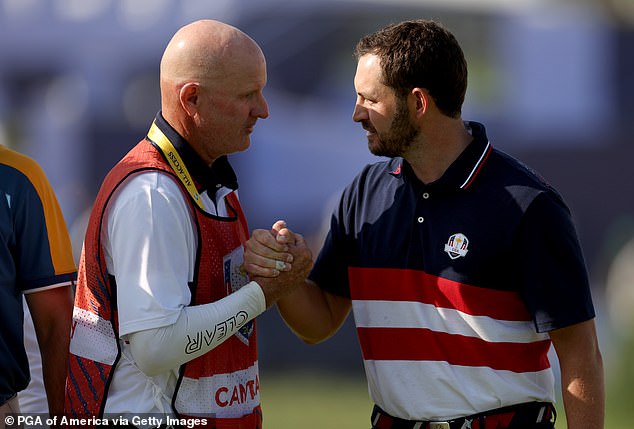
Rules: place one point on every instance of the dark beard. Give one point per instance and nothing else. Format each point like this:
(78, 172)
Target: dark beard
(399, 137)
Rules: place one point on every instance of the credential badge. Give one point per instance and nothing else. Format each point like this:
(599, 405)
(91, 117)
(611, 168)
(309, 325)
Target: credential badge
(457, 246)
(235, 277)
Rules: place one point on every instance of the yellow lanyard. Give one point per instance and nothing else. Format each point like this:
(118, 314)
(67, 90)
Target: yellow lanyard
(165, 145)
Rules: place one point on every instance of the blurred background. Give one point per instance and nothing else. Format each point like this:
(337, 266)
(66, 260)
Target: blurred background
(553, 80)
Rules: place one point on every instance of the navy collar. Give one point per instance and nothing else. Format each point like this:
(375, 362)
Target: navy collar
(207, 178)
(463, 171)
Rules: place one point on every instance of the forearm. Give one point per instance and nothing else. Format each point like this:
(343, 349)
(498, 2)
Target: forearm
(312, 314)
(584, 395)
(54, 352)
(198, 330)
(582, 379)
(51, 311)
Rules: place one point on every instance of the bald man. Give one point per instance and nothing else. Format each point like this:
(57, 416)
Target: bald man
(164, 312)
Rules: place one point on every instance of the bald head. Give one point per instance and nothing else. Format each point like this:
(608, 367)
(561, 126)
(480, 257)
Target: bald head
(205, 50)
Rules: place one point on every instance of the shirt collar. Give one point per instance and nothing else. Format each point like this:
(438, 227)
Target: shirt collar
(207, 178)
(463, 171)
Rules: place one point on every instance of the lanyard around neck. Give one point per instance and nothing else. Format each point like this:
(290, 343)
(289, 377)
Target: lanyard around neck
(164, 144)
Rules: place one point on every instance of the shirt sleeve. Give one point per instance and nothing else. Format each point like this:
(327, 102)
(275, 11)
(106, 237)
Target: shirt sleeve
(554, 283)
(150, 249)
(44, 255)
(330, 271)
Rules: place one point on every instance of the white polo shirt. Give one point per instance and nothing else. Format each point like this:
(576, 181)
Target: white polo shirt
(150, 243)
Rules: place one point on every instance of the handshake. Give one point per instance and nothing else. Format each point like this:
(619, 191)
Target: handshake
(278, 260)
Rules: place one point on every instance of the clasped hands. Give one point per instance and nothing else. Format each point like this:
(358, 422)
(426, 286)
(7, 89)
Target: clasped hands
(278, 260)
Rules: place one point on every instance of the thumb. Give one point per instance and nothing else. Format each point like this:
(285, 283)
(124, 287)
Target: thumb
(277, 226)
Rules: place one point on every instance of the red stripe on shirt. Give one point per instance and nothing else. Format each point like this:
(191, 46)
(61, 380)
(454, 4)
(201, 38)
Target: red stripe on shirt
(393, 284)
(415, 344)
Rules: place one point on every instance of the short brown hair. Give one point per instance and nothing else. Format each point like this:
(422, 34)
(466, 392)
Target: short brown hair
(420, 54)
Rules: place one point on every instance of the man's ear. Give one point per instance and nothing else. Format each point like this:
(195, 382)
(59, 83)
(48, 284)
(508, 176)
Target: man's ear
(188, 96)
(421, 99)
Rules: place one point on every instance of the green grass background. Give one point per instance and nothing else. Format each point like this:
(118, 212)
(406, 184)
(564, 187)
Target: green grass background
(314, 400)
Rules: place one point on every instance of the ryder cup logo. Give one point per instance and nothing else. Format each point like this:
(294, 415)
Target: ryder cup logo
(457, 246)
